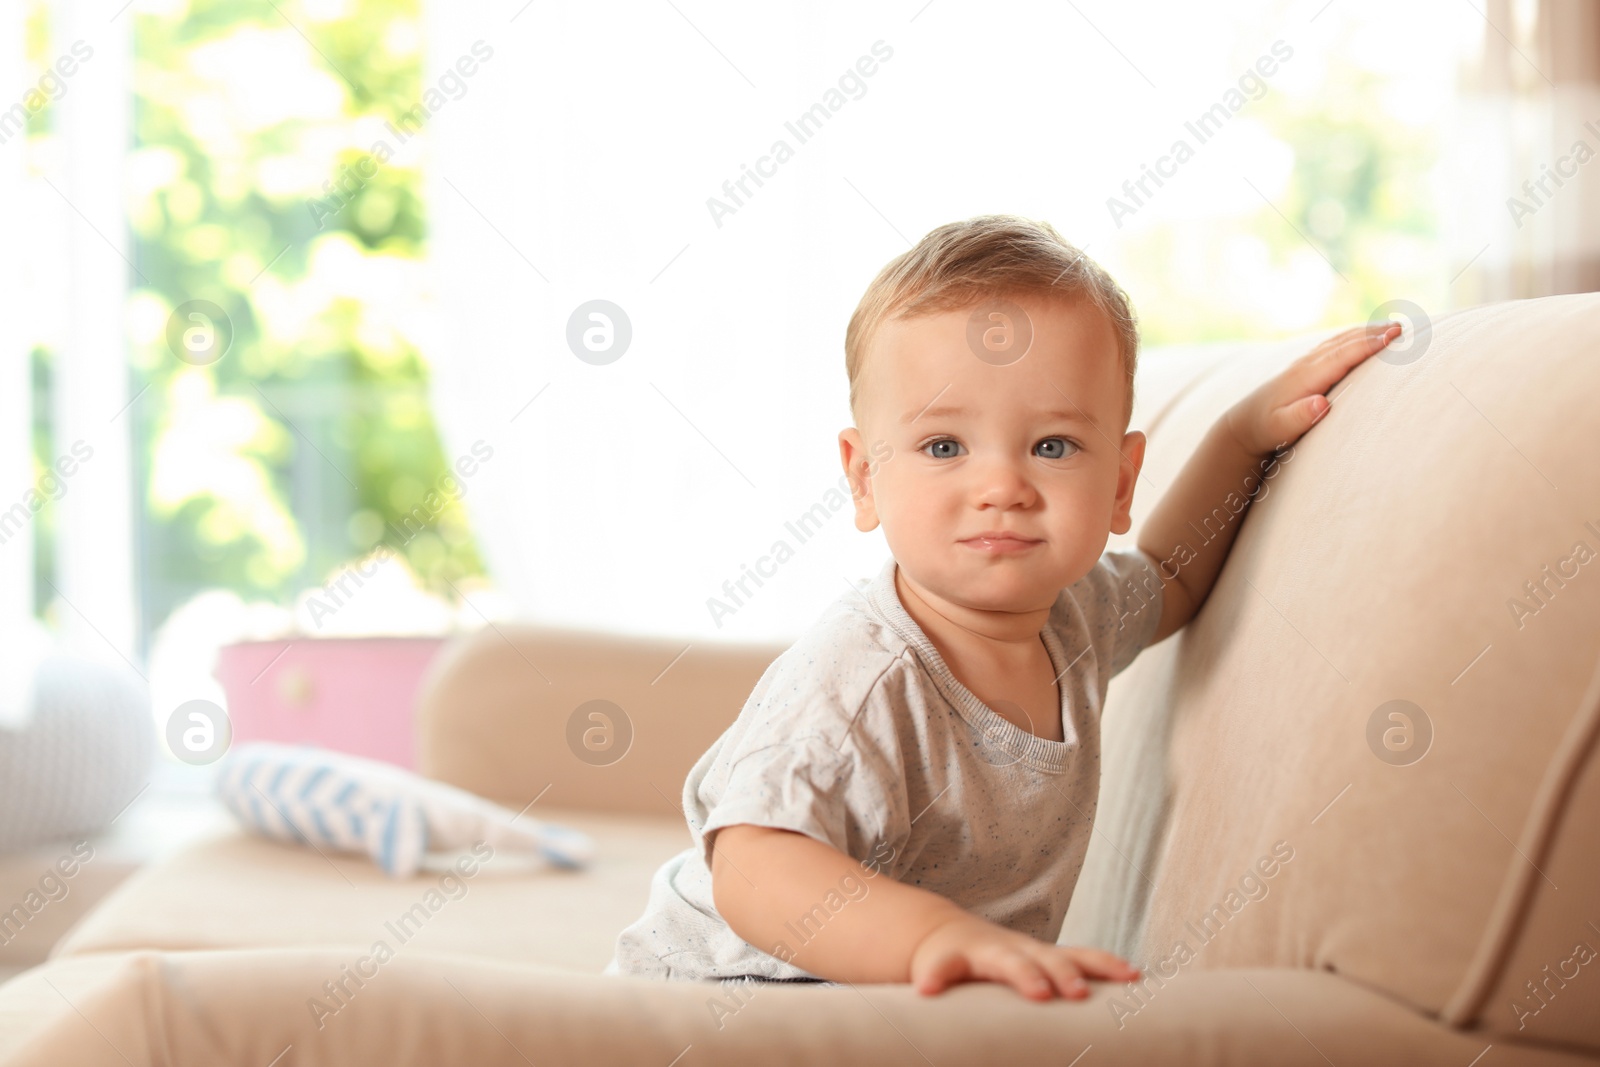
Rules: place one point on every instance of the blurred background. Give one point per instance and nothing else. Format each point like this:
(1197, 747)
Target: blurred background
(384, 319)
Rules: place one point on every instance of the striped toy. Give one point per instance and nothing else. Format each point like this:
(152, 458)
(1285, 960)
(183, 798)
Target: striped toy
(334, 801)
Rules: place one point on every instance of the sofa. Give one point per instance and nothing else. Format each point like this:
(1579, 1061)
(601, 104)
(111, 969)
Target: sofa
(1349, 815)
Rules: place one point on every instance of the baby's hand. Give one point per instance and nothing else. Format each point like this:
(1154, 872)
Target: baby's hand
(1281, 410)
(968, 948)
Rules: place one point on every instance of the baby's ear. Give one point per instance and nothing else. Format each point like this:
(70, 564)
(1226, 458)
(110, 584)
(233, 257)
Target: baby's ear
(858, 468)
(1129, 463)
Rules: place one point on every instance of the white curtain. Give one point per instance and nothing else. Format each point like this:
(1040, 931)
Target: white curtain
(1525, 220)
(64, 282)
(16, 426)
(96, 593)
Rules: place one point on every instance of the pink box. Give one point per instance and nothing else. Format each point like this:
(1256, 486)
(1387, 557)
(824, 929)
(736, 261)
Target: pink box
(350, 694)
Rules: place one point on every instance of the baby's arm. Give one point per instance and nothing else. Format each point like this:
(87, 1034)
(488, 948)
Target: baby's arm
(1275, 415)
(769, 883)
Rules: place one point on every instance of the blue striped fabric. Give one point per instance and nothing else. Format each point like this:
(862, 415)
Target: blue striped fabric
(332, 801)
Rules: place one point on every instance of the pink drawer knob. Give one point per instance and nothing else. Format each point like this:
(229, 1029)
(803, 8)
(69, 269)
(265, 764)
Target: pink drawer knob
(295, 687)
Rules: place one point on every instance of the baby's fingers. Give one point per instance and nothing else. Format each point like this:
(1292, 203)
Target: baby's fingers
(1066, 974)
(1357, 343)
(943, 973)
(1287, 424)
(1028, 977)
(1327, 364)
(1102, 965)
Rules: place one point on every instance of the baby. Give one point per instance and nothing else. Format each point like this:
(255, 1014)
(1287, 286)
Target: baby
(908, 792)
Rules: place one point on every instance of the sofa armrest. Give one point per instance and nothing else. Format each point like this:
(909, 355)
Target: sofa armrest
(250, 1006)
(578, 719)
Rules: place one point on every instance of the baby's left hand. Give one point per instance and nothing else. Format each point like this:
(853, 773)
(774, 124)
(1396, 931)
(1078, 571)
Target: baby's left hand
(1281, 410)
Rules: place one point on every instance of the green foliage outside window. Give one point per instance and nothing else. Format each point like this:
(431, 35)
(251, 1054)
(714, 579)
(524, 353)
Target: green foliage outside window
(309, 442)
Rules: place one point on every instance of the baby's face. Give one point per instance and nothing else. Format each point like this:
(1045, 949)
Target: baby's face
(1035, 448)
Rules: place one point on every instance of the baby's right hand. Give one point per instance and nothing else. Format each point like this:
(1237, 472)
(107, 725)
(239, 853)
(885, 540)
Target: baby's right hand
(968, 948)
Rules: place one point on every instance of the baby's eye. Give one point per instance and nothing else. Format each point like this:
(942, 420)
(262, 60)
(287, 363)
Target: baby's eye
(940, 444)
(1055, 448)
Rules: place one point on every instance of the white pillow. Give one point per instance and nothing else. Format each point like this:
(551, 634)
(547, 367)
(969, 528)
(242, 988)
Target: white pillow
(331, 800)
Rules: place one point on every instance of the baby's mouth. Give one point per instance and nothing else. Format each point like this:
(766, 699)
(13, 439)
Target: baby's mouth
(995, 544)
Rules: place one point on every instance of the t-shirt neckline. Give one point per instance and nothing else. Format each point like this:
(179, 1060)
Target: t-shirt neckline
(1038, 752)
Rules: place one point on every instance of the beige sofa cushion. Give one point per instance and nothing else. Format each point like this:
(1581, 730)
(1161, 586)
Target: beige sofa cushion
(237, 891)
(1541, 946)
(508, 713)
(39, 902)
(1381, 567)
(256, 1007)
(40, 998)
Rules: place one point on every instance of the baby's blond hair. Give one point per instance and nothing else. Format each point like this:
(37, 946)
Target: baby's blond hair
(960, 264)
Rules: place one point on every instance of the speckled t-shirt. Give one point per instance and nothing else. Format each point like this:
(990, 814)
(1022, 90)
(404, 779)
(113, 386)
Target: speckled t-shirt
(859, 736)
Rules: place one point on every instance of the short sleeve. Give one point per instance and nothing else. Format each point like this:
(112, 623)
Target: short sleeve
(1121, 599)
(807, 785)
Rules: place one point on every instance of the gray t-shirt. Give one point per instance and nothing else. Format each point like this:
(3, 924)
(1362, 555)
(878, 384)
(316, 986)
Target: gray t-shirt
(859, 736)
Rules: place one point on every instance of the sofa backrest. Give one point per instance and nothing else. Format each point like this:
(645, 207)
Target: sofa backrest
(583, 720)
(1372, 751)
